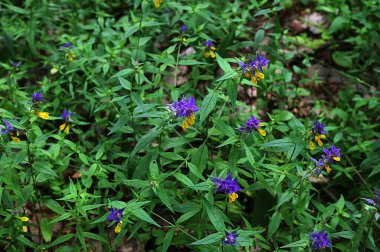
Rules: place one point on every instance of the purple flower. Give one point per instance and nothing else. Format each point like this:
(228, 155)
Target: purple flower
(37, 97)
(66, 45)
(12, 132)
(16, 63)
(320, 240)
(8, 125)
(243, 66)
(319, 127)
(376, 201)
(228, 186)
(319, 163)
(115, 215)
(66, 115)
(333, 154)
(230, 238)
(183, 28)
(251, 124)
(209, 43)
(261, 61)
(184, 108)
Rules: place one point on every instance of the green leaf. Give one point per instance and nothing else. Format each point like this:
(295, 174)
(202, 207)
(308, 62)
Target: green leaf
(124, 83)
(215, 215)
(141, 214)
(183, 179)
(274, 223)
(208, 105)
(224, 128)
(167, 240)
(223, 63)
(93, 236)
(212, 238)
(190, 62)
(342, 59)
(227, 75)
(163, 196)
(297, 244)
(26, 241)
(46, 229)
(187, 216)
(59, 240)
(232, 92)
(279, 145)
(194, 170)
(259, 36)
(146, 140)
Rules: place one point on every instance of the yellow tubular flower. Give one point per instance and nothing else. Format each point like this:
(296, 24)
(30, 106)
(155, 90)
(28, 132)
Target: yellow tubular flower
(24, 218)
(336, 158)
(24, 229)
(254, 80)
(311, 145)
(70, 57)
(15, 139)
(212, 54)
(188, 121)
(43, 115)
(157, 3)
(207, 54)
(232, 197)
(327, 167)
(65, 127)
(118, 227)
(259, 75)
(318, 138)
(262, 132)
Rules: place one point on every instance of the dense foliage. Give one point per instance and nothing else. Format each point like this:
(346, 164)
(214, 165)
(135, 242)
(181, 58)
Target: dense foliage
(161, 125)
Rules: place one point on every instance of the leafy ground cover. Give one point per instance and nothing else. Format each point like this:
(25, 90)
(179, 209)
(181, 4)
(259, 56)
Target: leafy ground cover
(189, 125)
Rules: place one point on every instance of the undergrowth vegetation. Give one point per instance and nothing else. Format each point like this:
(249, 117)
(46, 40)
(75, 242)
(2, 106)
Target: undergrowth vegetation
(162, 125)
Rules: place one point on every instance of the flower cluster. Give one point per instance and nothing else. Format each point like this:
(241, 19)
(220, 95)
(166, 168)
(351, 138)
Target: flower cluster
(185, 108)
(318, 132)
(251, 124)
(11, 131)
(210, 49)
(37, 99)
(183, 33)
(254, 68)
(116, 215)
(320, 240)
(327, 159)
(157, 3)
(376, 201)
(70, 54)
(66, 115)
(230, 238)
(228, 186)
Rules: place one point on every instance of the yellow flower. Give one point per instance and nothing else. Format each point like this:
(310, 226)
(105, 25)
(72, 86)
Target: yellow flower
(157, 3)
(15, 139)
(327, 167)
(118, 227)
(70, 57)
(336, 158)
(65, 127)
(318, 138)
(188, 121)
(43, 115)
(262, 132)
(311, 145)
(23, 218)
(232, 197)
